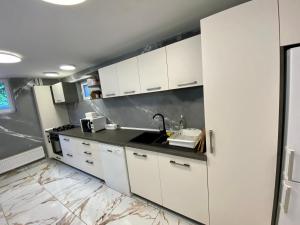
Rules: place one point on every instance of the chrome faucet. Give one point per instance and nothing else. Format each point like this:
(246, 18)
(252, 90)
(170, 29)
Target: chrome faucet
(164, 131)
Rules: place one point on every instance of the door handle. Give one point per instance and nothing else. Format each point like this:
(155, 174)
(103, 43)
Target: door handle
(87, 144)
(139, 155)
(180, 164)
(187, 84)
(89, 162)
(110, 95)
(129, 92)
(289, 166)
(211, 133)
(286, 198)
(70, 155)
(87, 153)
(66, 139)
(153, 89)
(109, 150)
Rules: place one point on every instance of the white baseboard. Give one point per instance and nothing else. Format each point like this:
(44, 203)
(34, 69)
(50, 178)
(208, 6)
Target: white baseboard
(21, 159)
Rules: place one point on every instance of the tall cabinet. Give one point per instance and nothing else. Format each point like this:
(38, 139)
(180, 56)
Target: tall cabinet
(241, 73)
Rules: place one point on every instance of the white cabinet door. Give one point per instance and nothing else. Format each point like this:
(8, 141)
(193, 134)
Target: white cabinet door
(109, 81)
(184, 186)
(185, 63)
(68, 147)
(241, 78)
(290, 204)
(144, 174)
(58, 93)
(289, 22)
(153, 71)
(128, 76)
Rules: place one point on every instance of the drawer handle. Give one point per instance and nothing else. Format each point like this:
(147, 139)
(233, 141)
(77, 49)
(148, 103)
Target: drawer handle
(129, 92)
(139, 155)
(187, 84)
(109, 150)
(89, 162)
(66, 139)
(153, 89)
(58, 158)
(88, 153)
(110, 95)
(179, 164)
(70, 155)
(87, 144)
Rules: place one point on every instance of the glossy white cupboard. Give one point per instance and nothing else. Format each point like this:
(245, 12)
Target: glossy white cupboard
(128, 77)
(153, 71)
(289, 22)
(185, 63)
(143, 174)
(177, 183)
(109, 81)
(241, 76)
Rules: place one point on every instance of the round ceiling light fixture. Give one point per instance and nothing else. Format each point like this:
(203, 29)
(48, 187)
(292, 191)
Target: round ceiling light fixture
(9, 57)
(51, 74)
(65, 2)
(67, 67)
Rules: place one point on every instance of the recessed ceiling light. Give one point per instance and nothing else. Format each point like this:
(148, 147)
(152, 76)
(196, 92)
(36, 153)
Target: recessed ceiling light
(67, 67)
(51, 74)
(9, 57)
(65, 2)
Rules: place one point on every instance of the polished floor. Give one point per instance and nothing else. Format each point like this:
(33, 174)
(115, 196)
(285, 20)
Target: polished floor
(49, 192)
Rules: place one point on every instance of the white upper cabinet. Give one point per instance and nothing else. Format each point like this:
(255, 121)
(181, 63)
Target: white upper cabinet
(58, 93)
(289, 22)
(128, 76)
(185, 63)
(153, 71)
(109, 81)
(241, 79)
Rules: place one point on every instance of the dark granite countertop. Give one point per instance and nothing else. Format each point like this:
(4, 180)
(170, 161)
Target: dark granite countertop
(121, 137)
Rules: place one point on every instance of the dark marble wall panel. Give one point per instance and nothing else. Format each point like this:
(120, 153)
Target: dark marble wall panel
(20, 131)
(138, 110)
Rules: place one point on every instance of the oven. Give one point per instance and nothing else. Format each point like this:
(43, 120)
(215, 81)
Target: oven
(54, 141)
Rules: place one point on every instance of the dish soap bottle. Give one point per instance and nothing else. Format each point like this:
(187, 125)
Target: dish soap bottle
(181, 122)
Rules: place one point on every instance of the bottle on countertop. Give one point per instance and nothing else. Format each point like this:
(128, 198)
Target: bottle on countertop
(181, 122)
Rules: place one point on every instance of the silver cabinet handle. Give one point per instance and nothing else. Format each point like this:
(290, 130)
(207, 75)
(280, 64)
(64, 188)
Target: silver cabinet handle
(187, 84)
(89, 162)
(109, 150)
(70, 155)
(139, 155)
(210, 141)
(58, 158)
(289, 164)
(179, 164)
(66, 139)
(87, 153)
(153, 89)
(110, 95)
(287, 197)
(87, 144)
(129, 92)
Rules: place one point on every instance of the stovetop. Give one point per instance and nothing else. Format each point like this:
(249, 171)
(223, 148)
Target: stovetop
(61, 128)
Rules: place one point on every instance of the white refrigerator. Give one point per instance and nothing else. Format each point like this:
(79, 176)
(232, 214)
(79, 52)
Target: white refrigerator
(289, 211)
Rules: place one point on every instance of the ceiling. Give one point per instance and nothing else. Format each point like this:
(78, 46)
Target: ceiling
(86, 35)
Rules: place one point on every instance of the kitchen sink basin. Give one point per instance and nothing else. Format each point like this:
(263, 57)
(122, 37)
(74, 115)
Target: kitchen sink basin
(146, 138)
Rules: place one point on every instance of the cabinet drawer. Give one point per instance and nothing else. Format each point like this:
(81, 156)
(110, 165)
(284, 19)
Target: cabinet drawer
(144, 174)
(67, 143)
(184, 186)
(86, 148)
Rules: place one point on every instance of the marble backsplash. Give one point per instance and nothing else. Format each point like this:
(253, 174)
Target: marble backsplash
(138, 110)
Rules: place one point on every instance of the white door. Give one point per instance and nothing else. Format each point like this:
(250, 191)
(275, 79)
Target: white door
(289, 22)
(143, 171)
(58, 93)
(109, 81)
(290, 204)
(292, 140)
(128, 76)
(241, 60)
(153, 71)
(184, 186)
(185, 63)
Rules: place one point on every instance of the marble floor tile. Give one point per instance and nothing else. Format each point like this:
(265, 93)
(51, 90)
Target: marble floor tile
(131, 212)
(99, 204)
(2, 218)
(167, 218)
(13, 176)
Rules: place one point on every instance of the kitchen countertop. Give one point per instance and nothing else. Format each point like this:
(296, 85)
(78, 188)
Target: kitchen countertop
(121, 137)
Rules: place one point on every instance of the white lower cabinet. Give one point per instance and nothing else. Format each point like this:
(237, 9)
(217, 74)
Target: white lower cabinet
(144, 174)
(82, 154)
(177, 183)
(184, 186)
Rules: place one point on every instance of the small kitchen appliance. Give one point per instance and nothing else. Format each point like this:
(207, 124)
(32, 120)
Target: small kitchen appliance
(93, 125)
